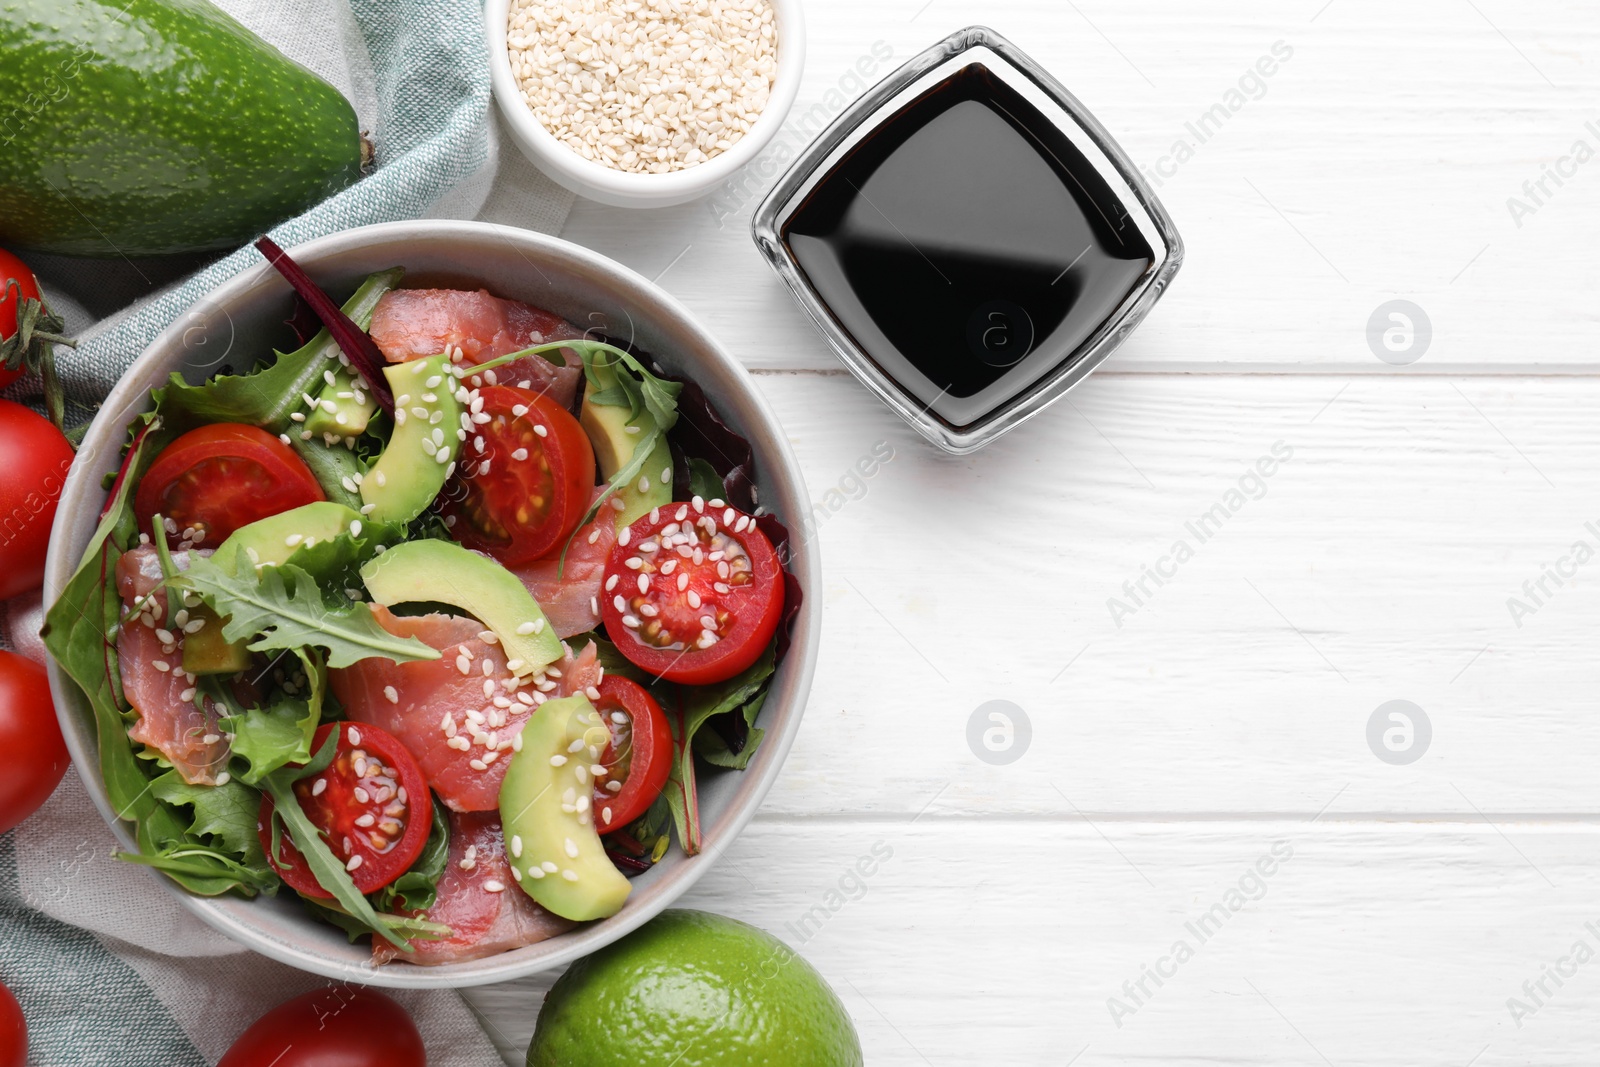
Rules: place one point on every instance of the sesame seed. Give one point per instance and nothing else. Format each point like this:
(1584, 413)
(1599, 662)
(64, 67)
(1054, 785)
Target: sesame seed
(535, 872)
(570, 875)
(492, 886)
(540, 430)
(549, 868)
(224, 778)
(353, 864)
(525, 628)
(390, 694)
(318, 786)
(516, 846)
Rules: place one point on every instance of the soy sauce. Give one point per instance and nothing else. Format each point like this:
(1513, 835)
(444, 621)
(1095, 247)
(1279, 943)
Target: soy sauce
(967, 246)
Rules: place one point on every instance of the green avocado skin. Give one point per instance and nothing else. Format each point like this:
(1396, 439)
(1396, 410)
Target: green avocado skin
(157, 126)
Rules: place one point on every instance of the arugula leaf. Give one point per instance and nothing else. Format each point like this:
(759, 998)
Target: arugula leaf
(225, 813)
(694, 706)
(418, 887)
(282, 608)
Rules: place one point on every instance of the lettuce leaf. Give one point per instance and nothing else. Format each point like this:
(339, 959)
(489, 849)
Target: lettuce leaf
(227, 814)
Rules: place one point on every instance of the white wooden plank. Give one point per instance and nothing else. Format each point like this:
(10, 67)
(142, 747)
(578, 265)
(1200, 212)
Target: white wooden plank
(1002, 941)
(1376, 163)
(1377, 565)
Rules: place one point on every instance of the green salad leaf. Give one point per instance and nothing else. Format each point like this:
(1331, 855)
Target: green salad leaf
(226, 814)
(283, 608)
(693, 707)
(279, 734)
(704, 481)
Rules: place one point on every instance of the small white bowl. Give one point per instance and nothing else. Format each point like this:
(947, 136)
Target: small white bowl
(601, 183)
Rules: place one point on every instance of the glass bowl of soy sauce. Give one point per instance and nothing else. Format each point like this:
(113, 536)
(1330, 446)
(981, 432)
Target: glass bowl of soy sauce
(969, 239)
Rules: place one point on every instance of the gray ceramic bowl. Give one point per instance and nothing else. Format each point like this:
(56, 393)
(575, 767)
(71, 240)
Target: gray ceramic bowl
(239, 320)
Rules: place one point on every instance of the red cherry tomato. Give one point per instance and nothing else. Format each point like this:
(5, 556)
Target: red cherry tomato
(522, 494)
(34, 459)
(13, 1031)
(32, 755)
(372, 775)
(639, 757)
(221, 477)
(337, 1026)
(13, 269)
(711, 597)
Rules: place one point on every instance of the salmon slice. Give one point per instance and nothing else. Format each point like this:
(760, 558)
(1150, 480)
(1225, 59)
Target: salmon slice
(570, 595)
(411, 324)
(139, 572)
(150, 661)
(486, 912)
(457, 715)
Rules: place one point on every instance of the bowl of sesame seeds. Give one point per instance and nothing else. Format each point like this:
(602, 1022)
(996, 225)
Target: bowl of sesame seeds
(644, 103)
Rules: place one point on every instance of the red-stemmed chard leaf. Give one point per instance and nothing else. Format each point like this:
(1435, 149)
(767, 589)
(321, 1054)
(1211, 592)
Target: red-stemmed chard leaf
(353, 340)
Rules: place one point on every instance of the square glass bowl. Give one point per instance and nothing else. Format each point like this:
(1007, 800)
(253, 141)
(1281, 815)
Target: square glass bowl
(969, 239)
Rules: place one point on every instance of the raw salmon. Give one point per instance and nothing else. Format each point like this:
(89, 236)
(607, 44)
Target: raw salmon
(150, 661)
(457, 714)
(486, 912)
(570, 595)
(414, 323)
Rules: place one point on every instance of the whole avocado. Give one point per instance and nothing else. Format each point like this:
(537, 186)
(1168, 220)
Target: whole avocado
(147, 127)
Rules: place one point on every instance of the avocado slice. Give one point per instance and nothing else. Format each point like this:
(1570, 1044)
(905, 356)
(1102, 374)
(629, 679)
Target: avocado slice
(157, 126)
(278, 539)
(265, 542)
(338, 412)
(443, 572)
(552, 847)
(427, 439)
(608, 427)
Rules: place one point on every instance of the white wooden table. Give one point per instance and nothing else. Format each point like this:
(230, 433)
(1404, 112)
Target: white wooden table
(1177, 744)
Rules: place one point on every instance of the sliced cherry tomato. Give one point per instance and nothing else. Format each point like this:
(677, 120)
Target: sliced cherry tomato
(34, 459)
(13, 269)
(13, 1031)
(221, 477)
(33, 757)
(692, 592)
(639, 757)
(524, 480)
(335, 1026)
(371, 804)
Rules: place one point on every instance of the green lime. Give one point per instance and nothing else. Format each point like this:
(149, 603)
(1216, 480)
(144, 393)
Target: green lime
(692, 989)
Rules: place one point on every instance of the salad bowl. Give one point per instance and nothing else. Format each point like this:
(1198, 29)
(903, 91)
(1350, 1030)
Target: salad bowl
(235, 326)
